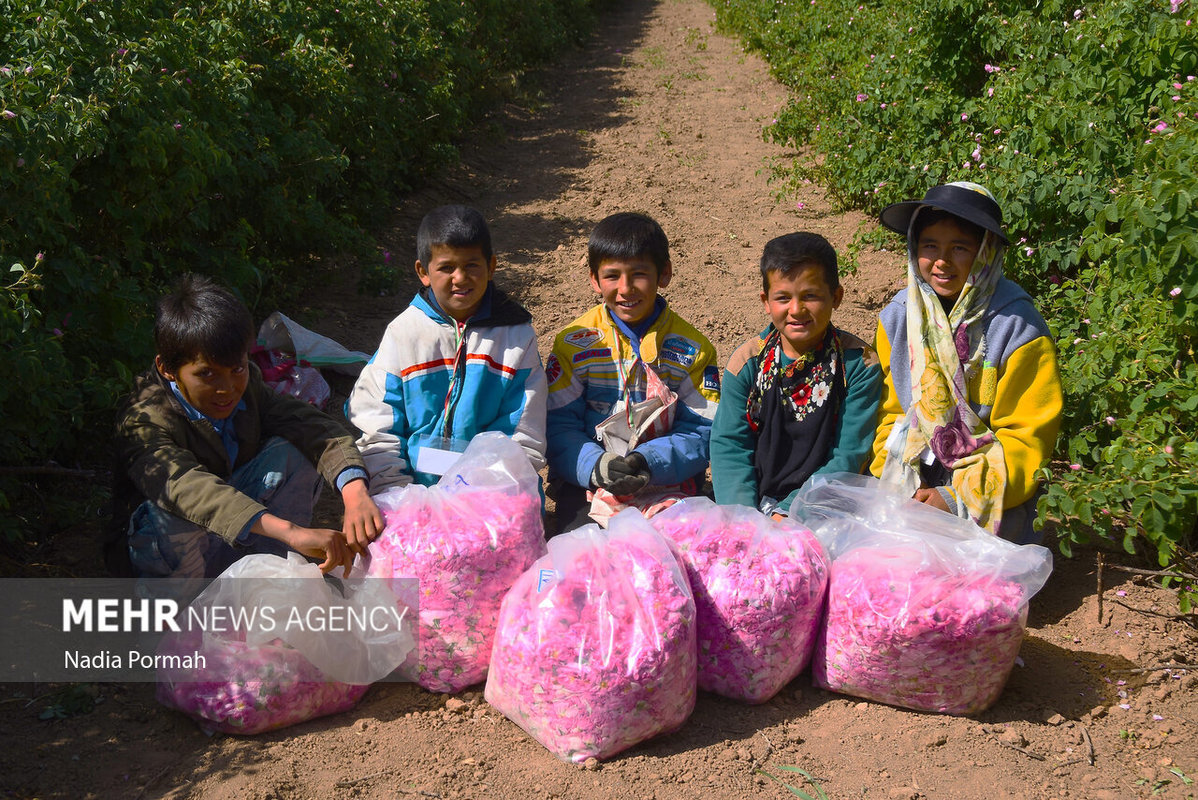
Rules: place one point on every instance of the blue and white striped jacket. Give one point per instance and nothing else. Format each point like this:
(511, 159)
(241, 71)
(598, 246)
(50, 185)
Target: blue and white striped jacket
(417, 385)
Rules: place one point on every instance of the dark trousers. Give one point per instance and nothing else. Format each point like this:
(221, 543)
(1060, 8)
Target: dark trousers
(571, 507)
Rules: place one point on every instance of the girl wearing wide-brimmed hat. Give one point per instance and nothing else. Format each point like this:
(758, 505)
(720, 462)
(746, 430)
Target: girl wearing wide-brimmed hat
(971, 402)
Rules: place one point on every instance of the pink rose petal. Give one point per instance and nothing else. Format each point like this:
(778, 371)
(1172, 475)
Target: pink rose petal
(905, 634)
(250, 689)
(759, 593)
(466, 548)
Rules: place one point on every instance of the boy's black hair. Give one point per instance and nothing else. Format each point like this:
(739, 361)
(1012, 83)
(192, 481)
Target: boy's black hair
(787, 253)
(625, 236)
(202, 319)
(452, 226)
(926, 217)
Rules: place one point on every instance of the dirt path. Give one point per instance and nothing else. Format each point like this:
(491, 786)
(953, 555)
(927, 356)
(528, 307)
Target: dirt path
(661, 114)
(658, 114)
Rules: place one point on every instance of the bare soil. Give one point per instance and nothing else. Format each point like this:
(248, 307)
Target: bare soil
(661, 114)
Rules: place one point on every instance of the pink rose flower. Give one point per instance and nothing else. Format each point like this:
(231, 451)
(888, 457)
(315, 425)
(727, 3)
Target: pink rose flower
(466, 548)
(246, 689)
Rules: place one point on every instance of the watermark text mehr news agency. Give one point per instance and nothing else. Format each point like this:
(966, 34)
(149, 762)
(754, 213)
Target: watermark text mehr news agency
(159, 615)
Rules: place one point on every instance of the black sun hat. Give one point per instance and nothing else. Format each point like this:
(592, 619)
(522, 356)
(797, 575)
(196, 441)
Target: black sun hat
(968, 201)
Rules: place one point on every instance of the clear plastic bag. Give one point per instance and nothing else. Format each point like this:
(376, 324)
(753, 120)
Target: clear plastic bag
(846, 495)
(759, 588)
(280, 332)
(282, 373)
(596, 644)
(466, 539)
(261, 672)
(925, 610)
(291, 357)
(629, 425)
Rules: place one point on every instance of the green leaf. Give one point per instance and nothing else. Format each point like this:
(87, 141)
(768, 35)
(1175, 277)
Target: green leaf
(797, 792)
(1065, 547)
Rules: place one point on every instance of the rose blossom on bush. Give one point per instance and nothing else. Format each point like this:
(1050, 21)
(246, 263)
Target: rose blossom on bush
(595, 650)
(759, 593)
(899, 632)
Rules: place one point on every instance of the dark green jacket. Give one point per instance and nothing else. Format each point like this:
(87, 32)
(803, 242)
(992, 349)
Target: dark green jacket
(182, 466)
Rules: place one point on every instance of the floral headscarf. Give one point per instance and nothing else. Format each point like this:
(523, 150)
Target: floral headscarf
(945, 351)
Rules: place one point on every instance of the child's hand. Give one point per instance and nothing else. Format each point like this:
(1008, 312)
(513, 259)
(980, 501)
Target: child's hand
(312, 542)
(363, 521)
(327, 544)
(931, 497)
(621, 475)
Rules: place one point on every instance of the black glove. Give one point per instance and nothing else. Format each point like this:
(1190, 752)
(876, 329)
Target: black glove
(621, 475)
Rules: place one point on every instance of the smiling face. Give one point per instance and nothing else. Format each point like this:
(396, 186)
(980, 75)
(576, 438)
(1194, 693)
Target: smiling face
(800, 305)
(458, 277)
(212, 389)
(629, 286)
(945, 252)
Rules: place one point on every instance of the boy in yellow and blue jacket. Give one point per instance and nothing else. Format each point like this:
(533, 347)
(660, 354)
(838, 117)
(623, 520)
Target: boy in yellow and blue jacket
(599, 360)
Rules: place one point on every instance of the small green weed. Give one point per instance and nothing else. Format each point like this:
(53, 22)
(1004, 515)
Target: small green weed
(795, 790)
(70, 701)
(654, 57)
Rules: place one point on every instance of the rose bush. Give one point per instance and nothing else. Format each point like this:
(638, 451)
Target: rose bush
(234, 139)
(1083, 120)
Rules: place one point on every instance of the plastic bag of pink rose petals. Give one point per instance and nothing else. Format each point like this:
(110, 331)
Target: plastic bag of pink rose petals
(467, 539)
(925, 610)
(273, 646)
(596, 644)
(252, 689)
(759, 594)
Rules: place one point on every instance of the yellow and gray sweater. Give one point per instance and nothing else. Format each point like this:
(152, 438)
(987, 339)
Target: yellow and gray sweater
(1016, 393)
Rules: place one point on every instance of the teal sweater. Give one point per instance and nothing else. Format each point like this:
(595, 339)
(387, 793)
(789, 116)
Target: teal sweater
(733, 474)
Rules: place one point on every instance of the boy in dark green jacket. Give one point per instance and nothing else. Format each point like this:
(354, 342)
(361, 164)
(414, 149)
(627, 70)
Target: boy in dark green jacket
(215, 465)
(801, 398)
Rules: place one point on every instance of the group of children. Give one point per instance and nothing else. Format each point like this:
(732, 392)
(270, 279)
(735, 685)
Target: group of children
(957, 402)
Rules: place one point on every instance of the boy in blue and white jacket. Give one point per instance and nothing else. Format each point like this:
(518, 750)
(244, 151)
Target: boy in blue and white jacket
(461, 359)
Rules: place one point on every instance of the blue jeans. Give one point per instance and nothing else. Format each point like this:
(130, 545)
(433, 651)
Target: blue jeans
(162, 545)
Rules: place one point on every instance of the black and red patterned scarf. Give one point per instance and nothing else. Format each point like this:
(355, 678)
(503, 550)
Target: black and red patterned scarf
(793, 411)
